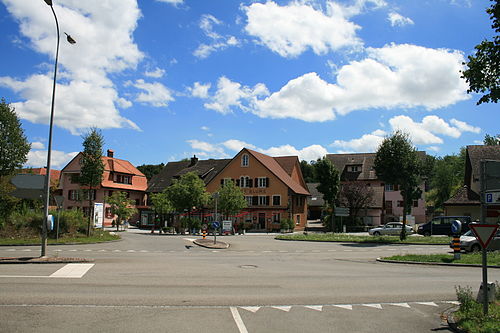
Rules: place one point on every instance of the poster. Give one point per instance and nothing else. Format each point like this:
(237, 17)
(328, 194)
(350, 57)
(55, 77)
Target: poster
(98, 215)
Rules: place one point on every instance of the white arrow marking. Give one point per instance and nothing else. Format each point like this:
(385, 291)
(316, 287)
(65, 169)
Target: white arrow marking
(347, 307)
(314, 307)
(376, 306)
(282, 308)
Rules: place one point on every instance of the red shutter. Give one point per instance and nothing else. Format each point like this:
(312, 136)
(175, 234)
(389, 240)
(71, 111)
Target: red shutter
(267, 182)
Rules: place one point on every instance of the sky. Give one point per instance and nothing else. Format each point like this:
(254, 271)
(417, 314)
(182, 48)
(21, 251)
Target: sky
(166, 79)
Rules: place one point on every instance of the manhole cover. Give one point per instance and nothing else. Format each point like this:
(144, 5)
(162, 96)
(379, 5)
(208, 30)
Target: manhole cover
(248, 266)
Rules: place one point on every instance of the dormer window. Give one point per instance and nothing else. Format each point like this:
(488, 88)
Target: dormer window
(354, 168)
(123, 179)
(244, 160)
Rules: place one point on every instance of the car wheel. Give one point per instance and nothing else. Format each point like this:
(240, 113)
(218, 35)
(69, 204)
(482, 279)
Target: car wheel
(427, 234)
(376, 233)
(475, 248)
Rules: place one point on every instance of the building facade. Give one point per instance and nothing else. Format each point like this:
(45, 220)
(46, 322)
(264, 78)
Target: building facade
(119, 175)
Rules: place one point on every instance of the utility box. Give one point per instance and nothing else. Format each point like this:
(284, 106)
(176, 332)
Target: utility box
(491, 293)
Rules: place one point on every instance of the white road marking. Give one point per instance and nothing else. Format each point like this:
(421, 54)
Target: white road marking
(315, 307)
(348, 307)
(376, 306)
(237, 319)
(427, 303)
(282, 308)
(251, 308)
(404, 305)
(72, 271)
(190, 239)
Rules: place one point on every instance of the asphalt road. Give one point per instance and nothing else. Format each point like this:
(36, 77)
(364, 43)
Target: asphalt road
(166, 283)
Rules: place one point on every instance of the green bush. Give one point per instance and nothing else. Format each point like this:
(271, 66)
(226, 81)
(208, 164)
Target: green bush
(70, 222)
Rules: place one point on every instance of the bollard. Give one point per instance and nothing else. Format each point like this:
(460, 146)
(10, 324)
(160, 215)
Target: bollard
(204, 234)
(456, 247)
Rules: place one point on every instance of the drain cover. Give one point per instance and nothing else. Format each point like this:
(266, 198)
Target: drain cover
(248, 266)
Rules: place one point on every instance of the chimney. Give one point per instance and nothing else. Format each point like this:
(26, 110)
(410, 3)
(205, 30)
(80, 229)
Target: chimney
(194, 160)
(111, 153)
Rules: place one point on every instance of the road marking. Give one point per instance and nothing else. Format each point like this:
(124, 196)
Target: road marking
(190, 239)
(348, 307)
(237, 319)
(427, 303)
(282, 308)
(404, 305)
(251, 308)
(376, 306)
(75, 271)
(314, 307)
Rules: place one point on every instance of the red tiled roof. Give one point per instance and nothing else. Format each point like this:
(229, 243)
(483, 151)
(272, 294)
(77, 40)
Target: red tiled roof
(275, 167)
(139, 180)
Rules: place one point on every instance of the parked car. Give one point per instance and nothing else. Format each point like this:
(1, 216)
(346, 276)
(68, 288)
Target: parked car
(392, 228)
(469, 243)
(441, 225)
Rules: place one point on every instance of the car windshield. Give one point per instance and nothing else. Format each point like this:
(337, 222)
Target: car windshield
(469, 233)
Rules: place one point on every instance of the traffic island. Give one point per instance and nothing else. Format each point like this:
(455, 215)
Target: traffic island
(43, 260)
(210, 244)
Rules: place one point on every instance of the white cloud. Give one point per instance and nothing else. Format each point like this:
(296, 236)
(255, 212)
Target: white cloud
(37, 145)
(309, 153)
(58, 159)
(155, 93)
(232, 94)
(464, 127)
(156, 73)
(367, 143)
(200, 90)
(218, 42)
(399, 20)
(88, 97)
(237, 145)
(207, 150)
(292, 29)
(205, 128)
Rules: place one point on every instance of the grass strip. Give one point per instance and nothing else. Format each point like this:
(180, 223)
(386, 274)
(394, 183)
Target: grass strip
(98, 237)
(465, 258)
(470, 316)
(366, 239)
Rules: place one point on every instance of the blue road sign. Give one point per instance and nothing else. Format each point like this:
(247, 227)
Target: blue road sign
(216, 225)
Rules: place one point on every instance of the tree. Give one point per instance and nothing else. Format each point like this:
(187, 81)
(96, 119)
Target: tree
(187, 192)
(447, 177)
(120, 206)
(92, 166)
(14, 146)
(150, 170)
(492, 140)
(231, 199)
(161, 203)
(356, 196)
(483, 68)
(308, 171)
(397, 163)
(329, 180)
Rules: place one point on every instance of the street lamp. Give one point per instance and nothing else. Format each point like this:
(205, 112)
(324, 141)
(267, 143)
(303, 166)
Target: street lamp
(49, 147)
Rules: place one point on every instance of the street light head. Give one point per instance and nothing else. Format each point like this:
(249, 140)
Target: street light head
(70, 39)
(48, 2)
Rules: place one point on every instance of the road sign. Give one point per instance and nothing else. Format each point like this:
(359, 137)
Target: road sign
(491, 175)
(216, 225)
(456, 227)
(28, 186)
(492, 197)
(484, 232)
(341, 211)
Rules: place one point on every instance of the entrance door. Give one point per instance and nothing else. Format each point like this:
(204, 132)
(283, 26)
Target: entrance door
(262, 221)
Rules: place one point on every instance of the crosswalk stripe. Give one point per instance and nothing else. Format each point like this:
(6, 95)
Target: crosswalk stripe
(72, 271)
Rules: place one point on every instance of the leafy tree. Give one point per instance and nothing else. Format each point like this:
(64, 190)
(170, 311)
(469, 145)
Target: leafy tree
(483, 68)
(397, 163)
(329, 180)
(308, 171)
(492, 140)
(187, 192)
(120, 206)
(231, 199)
(161, 203)
(356, 196)
(14, 146)
(92, 166)
(448, 176)
(150, 170)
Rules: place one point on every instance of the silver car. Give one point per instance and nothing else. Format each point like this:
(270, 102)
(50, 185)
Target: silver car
(469, 243)
(392, 229)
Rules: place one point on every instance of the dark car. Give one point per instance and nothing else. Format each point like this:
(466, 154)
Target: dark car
(441, 225)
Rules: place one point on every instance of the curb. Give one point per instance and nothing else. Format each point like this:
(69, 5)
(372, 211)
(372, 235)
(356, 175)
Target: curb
(43, 260)
(209, 244)
(431, 263)
(61, 244)
(350, 242)
(451, 320)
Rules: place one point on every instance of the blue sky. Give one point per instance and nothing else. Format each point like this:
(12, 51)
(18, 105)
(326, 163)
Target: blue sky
(166, 79)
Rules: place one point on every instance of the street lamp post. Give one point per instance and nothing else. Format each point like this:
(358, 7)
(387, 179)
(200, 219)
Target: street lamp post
(49, 146)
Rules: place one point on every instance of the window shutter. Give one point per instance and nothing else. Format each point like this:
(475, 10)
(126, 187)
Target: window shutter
(250, 182)
(255, 200)
(267, 182)
(222, 181)
(237, 182)
(267, 200)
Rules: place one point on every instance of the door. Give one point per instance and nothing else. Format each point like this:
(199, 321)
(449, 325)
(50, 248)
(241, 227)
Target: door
(262, 221)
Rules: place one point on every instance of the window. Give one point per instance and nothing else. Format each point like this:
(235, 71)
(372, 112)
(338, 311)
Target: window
(389, 187)
(249, 200)
(244, 160)
(74, 195)
(123, 179)
(388, 207)
(245, 181)
(354, 168)
(225, 181)
(415, 203)
(86, 194)
(276, 200)
(277, 218)
(262, 182)
(109, 213)
(263, 200)
(400, 203)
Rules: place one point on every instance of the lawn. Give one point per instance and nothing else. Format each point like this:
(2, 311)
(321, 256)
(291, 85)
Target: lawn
(365, 239)
(97, 237)
(470, 316)
(465, 258)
